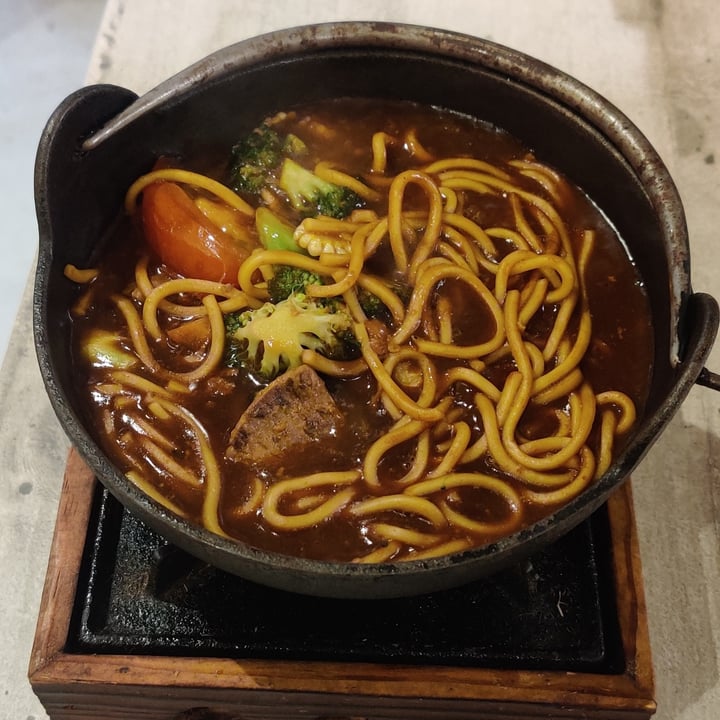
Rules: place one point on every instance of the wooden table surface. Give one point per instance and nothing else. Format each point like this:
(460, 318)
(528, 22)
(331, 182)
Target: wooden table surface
(660, 64)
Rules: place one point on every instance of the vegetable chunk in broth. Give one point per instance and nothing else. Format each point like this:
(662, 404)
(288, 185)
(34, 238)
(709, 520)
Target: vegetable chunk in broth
(372, 332)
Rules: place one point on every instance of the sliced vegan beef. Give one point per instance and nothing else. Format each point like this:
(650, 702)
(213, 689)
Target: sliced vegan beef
(294, 413)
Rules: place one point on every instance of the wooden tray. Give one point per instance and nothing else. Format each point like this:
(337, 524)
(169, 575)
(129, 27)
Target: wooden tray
(147, 687)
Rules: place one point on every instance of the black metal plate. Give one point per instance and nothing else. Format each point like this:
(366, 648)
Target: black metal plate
(137, 594)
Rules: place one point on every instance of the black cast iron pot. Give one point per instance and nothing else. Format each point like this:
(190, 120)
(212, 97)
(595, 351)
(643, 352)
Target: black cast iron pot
(102, 137)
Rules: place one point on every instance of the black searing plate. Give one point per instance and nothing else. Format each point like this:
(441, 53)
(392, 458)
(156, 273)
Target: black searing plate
(139, 594)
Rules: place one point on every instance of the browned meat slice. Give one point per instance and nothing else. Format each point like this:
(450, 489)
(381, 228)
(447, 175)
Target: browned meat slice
(293, 413)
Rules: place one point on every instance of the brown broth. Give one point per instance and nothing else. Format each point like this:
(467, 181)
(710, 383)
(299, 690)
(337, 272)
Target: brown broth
(619, 358)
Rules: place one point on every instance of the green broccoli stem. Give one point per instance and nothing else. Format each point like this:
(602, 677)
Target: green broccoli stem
(274, 233)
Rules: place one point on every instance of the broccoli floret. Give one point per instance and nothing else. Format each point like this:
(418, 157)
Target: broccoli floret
(374, 307)
(311, 195)
(288, 280)
(253, 159)
(234, 349)
(271, 338)
(294, 146)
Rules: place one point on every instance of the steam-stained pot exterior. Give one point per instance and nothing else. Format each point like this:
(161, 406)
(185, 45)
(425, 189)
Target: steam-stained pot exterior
(102, 137)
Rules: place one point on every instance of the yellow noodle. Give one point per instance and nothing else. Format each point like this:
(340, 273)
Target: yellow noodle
(504, 460)
(560, 328)
(158, 410)
(463, 182)
(450, 198)
(626, 406)
(415, 147)
(458, 446)
(326, 172)
(383, 553)
(547, 177)
(559, 389)
(528, 234)
(337, 500)
(212, 481)
(376, 233)
(536, 358)
(444, 319)
(473, 480)
(471, 254)
(448, 251)
(400, 433)
(329, 225)
(509, 396)
(354, 307)
(217, 343)
(473, 378)
(420, 460)
(446, 548)
(608, 428)
(275, 257)
(426, 282)
(144, 427)
(349, 278)
(109, 388)
(83, 303)
(540, 204)
(308, 502)
(412, 538)
(473, 230)
(254, 499)
(520, 261)
(76, 275)
(176, 287)
(136, 329)
(584, 419)
(551, 443)
(509, 235)
(573, 358)
(139, 383)
(465, 163)
(363, 216)
(186, 177)
(334, 368)
(142, 278)
(398, 397)
(542, 180)
(477, 527)
(586, 248)
(168, 463)
(563, 495)
(427, 370)
(388, 298)
(176, 387)
(152, 492)
(432, 231)
(532, 301)
(406, 504)
(379, 145)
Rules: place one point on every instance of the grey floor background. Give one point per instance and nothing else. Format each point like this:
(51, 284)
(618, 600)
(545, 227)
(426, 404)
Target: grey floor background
(45, 47)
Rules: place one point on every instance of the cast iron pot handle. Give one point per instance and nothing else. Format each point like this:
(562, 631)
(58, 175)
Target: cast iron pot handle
(709, 379)
(705, 307)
